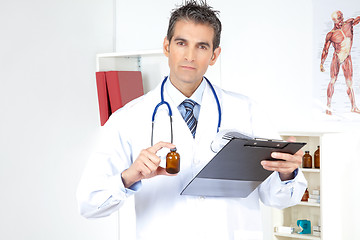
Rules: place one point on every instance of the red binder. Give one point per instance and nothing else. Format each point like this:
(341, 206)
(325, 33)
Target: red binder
(115, 89)
(123, 86)
(103, 98)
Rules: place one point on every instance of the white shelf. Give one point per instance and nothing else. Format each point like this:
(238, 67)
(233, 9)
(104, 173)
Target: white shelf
(298, 236)
(309, 204)
(312, 170)
(131, 53)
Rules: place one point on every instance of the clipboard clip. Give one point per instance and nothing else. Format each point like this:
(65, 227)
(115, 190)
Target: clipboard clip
(266, 143)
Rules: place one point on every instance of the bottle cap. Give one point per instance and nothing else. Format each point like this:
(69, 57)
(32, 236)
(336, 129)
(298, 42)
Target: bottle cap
(173, 149)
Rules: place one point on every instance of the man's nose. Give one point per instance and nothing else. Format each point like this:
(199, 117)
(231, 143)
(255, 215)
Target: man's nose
(190, 54)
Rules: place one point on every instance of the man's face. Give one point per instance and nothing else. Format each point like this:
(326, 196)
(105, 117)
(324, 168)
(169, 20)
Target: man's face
(190, 52)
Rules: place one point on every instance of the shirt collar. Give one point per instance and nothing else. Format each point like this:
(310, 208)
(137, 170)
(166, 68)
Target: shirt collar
(177, 97)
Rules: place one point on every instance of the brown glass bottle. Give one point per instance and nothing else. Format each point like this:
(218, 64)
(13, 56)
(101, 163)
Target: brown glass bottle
(317, 158)
(305, 197)
(173, 162)
(307, 160)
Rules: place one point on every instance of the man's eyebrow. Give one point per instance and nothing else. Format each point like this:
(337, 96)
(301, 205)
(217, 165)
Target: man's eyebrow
(180, 39)
(204, 44)
(199, 43)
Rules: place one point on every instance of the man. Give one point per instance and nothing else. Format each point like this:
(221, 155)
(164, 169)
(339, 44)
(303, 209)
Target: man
(341, 37)
(126, 165)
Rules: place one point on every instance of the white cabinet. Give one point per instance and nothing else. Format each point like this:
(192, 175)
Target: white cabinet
(337, 180)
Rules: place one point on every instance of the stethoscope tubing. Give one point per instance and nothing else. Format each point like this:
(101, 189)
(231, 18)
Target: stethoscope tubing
(170, 111)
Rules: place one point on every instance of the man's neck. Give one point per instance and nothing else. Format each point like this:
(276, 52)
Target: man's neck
(186, 88)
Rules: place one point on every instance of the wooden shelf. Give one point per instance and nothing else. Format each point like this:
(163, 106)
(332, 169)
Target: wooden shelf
(298, 236)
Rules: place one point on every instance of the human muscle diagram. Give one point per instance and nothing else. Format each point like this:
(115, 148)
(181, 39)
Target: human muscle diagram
(336, 60)
(341, 38)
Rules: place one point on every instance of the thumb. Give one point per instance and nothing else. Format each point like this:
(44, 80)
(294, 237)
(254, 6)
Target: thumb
(162, 171)
(291, 139)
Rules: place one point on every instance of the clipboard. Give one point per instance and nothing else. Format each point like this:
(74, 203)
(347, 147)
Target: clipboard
(236, 171)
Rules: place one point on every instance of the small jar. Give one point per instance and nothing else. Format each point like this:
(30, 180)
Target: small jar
(172, 162)
(317, 158)
(307, 160)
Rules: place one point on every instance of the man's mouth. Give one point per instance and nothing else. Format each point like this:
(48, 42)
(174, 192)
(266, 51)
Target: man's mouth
(188, 67)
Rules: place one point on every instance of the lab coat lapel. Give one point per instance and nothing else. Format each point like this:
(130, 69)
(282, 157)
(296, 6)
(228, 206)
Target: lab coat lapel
(208, 119)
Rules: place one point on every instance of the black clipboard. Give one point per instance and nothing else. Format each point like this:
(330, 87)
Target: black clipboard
(236, 171)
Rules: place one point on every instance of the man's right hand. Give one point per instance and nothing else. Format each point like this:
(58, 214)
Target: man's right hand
(146, 165)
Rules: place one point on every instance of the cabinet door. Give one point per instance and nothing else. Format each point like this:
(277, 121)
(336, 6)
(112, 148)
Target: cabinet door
(340, 191)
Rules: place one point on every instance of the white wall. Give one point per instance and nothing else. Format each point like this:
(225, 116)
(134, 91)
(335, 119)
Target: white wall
(49, 115)
(267, 54)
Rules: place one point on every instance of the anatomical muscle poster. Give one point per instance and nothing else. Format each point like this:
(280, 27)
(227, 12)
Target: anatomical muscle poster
(337, 58)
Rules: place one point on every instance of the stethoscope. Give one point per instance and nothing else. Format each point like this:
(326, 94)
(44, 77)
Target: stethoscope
(170, 112)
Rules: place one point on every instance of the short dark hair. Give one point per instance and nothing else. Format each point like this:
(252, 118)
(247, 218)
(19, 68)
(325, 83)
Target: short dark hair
(198, 12)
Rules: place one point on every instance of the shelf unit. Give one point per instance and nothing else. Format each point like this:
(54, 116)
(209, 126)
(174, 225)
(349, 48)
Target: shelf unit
(304, 210)
(337, 179)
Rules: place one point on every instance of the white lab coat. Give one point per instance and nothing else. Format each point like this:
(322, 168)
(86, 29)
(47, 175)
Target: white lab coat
(161, 212)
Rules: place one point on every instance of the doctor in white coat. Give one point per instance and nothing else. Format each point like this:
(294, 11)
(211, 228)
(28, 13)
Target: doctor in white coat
(125, 163)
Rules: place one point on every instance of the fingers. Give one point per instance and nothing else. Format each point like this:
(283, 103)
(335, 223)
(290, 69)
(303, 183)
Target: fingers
(151, 161)
(159, 146)
(162, 171)
(279, 166)
(285, 169)
(291, 139)
(288, 165)
(296, 158)
(147, 164)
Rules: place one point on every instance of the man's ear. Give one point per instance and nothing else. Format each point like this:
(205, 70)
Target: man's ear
(215, 56)
(166, 47)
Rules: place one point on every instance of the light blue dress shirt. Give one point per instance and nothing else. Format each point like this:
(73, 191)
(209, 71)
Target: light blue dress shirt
(177, 97)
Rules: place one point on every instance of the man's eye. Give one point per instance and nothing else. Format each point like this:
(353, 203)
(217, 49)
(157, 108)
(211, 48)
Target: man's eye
(181, 43)
(203, 47)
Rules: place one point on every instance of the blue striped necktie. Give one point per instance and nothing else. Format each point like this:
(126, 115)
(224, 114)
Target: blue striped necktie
(189, 115)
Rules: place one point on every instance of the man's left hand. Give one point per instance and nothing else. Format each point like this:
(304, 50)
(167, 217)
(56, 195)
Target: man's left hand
(285, 168)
